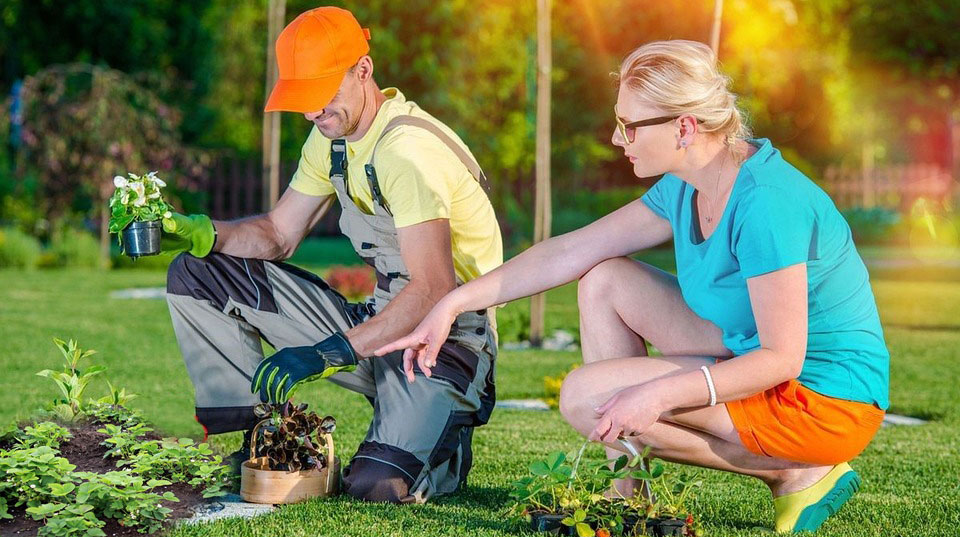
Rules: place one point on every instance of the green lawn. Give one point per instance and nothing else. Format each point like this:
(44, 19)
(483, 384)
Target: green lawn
(911, 474)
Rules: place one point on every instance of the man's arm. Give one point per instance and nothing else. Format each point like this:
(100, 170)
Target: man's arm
(426, 252)
(274, 235)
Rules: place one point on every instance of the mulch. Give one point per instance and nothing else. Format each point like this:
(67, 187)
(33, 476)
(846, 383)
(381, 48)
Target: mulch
(83, 449)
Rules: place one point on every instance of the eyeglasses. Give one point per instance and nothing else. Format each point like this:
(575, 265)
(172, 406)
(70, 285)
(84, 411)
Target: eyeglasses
(628, 131)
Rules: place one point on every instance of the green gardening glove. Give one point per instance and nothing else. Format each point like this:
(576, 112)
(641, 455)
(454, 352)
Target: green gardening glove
(194, 234)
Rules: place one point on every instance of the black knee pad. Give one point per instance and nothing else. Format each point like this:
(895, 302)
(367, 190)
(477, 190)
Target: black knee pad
(219, 278)
(381, 473)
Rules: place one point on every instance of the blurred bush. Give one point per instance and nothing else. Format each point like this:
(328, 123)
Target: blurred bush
(73, 248)
(873, 225)
(513, 322)
(18, 250)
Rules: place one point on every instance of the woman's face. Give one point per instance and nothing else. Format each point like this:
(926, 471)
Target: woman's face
(653, 149)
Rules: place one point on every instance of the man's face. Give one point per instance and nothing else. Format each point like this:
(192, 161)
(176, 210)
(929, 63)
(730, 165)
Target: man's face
(339, 118)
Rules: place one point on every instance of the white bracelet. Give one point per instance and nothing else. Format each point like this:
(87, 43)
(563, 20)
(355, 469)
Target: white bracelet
(713, 391)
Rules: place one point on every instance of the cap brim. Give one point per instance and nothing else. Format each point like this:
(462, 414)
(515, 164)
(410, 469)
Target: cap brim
(303, 96)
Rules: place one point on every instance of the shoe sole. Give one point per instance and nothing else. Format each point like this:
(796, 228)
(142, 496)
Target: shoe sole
(814, 515)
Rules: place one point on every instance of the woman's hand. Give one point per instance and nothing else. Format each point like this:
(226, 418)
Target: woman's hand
(628, 413)
(423, 344)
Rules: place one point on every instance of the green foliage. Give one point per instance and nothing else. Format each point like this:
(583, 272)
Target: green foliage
(72, 380)
(83, 124)
(62, 520)
(871, 226)
(17, 249)
(43, 434)
(137, 199)
(126, 497)
(74, 248)
(26, 474)
(513, 324)
(176, 460)
(577, 489)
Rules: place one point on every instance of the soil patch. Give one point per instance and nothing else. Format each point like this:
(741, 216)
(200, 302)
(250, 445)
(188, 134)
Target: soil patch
(84, 450)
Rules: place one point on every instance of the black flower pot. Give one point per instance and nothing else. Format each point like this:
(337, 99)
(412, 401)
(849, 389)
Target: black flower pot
(549, 523)
(141, 238)
(655, 527)
(665, 527)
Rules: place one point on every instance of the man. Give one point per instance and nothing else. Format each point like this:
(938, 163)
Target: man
(413, 208)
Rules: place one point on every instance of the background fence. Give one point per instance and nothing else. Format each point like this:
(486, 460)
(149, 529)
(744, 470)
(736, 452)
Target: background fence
(893, 187)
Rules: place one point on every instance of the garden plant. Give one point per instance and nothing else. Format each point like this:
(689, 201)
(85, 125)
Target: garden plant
(568, 495)
(136, 208)
(92, 467)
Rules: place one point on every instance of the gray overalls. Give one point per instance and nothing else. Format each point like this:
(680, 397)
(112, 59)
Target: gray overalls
(418, 443)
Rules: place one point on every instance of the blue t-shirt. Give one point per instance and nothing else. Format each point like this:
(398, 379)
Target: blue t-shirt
(777, 217)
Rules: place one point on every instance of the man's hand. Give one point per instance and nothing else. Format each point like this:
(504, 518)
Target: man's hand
(280, 375)
(194, 234)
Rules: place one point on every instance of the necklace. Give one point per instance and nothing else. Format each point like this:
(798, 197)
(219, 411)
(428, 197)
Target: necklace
(716, 191)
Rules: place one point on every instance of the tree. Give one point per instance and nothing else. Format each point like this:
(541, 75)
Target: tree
(83, 124)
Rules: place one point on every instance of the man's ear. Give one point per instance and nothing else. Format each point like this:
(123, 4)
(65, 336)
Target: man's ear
(364, 68)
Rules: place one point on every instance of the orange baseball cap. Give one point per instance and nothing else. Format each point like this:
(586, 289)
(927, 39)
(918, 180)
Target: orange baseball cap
(314, 53)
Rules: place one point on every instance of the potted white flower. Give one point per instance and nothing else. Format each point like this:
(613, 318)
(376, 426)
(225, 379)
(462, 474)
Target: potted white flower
(136, 208)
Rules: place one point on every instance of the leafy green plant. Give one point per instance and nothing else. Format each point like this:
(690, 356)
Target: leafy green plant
(26, 474)
(171, 459)
(67, 520)
(72, 380)
(123, 442)
(43, 434)
(136, 199)
(115, 414)
(125, 497)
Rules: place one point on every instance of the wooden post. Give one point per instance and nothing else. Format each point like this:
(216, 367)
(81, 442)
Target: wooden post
(542, 212)
(276, 11)
(715, 32)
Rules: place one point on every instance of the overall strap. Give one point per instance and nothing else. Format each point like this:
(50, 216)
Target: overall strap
(413, 121)
(338, 162)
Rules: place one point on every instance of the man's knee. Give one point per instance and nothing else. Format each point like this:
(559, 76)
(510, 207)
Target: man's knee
(381, 473)
(220, 278)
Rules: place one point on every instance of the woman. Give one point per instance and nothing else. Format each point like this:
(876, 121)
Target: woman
(774, 363)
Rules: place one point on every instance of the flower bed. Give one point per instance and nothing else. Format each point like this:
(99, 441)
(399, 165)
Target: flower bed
(93, 467)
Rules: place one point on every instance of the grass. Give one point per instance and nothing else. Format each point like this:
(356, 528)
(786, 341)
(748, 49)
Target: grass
(911, 474)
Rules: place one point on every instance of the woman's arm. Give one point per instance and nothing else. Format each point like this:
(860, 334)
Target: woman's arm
(779, 302)
(546, 265)
(564, 258)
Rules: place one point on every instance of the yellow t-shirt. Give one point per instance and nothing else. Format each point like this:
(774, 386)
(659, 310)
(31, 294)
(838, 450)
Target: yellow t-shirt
(421, 179)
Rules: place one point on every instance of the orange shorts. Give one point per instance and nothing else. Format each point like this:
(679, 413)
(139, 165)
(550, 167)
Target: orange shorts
(795, 423)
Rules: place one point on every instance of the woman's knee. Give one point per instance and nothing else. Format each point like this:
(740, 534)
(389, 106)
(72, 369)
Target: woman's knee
(577, 400)
(600, 280)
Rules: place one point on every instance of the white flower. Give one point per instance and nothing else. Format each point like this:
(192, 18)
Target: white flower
(125, 198)
(133, 175)
(168, 214)
(119, 181)
(138, 189)
(154, 195)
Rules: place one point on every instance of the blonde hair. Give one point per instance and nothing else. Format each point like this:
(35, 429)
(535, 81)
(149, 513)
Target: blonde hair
(682, 77)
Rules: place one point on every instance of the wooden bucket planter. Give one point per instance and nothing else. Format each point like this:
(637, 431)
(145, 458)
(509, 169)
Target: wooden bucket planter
(259, 484)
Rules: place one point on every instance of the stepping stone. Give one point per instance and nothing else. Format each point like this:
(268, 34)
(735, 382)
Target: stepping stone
(896, 419)
(523, 404)
(149, 293)
(229, 506)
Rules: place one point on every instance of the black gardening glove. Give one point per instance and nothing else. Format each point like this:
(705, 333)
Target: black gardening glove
(280, 375)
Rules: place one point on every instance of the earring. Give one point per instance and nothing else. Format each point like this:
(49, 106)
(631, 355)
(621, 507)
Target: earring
(683, 143)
